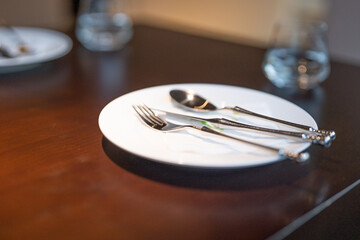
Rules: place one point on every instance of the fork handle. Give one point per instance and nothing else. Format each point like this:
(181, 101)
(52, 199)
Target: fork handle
(298, 157)
(330, 133)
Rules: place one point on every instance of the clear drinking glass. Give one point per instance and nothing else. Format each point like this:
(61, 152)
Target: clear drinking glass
(298, 55)
(103, 25)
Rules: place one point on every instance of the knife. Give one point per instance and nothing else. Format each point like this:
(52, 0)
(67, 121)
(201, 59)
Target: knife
(308, 137)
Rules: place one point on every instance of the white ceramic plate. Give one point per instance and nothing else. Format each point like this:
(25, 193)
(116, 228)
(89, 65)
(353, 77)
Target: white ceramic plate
(120, 124)
(44, 44)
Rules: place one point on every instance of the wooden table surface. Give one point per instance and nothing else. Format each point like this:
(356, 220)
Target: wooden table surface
(61, 179)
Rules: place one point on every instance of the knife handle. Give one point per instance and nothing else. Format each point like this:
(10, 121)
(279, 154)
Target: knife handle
(330, 133)
(317, 139)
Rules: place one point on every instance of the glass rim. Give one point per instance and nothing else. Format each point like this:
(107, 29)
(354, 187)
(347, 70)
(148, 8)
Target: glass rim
(315, 24)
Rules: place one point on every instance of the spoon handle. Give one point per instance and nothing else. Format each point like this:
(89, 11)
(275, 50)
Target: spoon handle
(329, 133)
(323, 140)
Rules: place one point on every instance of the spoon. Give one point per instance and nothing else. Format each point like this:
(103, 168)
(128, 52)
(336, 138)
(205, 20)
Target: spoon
(195, 102)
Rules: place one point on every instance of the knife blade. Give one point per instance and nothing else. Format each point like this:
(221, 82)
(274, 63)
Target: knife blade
(309, 137)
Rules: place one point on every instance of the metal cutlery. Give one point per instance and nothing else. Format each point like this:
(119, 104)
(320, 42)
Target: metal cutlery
(22, 46)
(150, 119)
(195, 102)
(308, 137)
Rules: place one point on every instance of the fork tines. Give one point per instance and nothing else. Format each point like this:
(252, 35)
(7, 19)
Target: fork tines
(148, 116)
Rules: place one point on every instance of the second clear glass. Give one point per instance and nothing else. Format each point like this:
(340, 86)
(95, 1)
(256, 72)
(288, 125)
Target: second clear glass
(298, 55)
(103, 25)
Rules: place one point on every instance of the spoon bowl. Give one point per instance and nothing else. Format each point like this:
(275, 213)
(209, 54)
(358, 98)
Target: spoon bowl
(192, 101)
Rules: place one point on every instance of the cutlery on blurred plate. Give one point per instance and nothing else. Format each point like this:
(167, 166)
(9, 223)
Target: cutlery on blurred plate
(150, 119)
(22, 46)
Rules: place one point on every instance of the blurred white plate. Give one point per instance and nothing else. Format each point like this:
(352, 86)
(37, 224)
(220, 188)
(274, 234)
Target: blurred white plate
(119, 124)
(44, 44)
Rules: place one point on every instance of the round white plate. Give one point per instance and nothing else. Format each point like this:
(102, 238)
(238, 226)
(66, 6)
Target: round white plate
(120, 124)
(44, 45)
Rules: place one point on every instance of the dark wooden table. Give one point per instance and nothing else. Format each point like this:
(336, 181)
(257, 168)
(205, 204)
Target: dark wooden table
(61, 179)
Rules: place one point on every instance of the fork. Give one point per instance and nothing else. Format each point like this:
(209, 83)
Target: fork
(150, 119)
